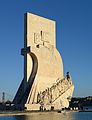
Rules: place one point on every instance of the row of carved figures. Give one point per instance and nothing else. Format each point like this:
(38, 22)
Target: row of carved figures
(49, 95)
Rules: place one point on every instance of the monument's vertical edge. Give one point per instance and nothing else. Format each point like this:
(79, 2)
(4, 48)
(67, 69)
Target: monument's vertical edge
(25, 47)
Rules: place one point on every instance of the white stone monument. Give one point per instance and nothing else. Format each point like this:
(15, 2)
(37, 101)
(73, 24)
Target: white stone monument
(44, 86)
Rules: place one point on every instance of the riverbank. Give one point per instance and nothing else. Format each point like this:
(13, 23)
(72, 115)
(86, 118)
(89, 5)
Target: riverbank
(14, 113)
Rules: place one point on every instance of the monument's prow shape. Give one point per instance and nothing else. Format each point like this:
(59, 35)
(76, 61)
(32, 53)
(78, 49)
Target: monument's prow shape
(44, 85)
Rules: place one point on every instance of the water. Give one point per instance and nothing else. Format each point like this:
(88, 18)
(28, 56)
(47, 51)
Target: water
(51, 116)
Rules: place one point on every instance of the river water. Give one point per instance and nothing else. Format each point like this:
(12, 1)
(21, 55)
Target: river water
(51, 116)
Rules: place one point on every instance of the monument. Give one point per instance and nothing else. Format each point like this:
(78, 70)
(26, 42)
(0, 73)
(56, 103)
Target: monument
(44, 86)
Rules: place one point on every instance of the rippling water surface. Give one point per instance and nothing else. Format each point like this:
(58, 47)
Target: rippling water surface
(51, 116)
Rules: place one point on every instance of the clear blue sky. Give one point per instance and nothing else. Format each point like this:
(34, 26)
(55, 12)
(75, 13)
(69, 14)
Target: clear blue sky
(74, 40)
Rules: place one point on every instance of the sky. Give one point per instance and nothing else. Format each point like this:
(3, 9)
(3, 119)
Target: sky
(74, 40)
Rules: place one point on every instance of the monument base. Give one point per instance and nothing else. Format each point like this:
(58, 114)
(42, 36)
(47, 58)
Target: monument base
(62, 101)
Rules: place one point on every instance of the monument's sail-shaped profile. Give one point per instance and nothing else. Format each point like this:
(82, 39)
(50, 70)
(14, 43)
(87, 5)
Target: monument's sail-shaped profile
(44, 85)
